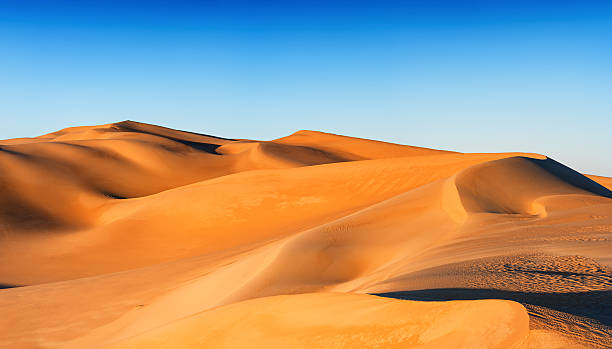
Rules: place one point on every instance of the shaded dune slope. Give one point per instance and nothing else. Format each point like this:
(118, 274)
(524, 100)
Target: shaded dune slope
(207, 226)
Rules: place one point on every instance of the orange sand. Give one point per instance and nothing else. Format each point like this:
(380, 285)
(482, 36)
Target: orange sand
(131, 235)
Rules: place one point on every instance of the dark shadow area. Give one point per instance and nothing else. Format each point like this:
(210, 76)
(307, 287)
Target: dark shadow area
(572, 177)
(207, 147)
(132, 122)
(113, 196)
(16, 214)
(128, 126)
(5, 286)
(596, 305)
(12, 152)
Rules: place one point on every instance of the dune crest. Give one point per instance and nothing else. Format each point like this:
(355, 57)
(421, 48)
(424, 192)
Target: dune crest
(158, 235)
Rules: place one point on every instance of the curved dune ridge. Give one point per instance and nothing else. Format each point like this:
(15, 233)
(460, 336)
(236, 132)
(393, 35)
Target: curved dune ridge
(130, 235)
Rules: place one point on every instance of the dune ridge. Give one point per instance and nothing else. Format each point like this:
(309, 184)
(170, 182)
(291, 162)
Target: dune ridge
(156, 233)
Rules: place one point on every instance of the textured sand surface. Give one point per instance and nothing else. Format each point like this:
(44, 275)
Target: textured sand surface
(131, 235)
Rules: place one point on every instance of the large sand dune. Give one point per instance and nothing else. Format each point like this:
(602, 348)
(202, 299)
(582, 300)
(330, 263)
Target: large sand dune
(131, 235)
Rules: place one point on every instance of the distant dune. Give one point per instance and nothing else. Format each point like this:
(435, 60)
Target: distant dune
(130, 235)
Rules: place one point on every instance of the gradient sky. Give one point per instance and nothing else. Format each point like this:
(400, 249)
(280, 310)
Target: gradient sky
(473, 76)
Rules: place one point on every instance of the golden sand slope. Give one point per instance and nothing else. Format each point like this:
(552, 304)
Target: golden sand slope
(318, 320)
(129, 234)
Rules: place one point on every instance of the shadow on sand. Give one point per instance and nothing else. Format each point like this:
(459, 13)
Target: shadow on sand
(596, 305)
(572, 177)
(132, 126)
(5, 286)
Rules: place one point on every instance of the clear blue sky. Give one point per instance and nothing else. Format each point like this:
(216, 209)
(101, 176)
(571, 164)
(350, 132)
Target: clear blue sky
(474, 76)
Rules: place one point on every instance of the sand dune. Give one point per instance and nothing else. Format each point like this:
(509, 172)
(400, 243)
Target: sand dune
(605, 181)
(132, 235)
(356, 321)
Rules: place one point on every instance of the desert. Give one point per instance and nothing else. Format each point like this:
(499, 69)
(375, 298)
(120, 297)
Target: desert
(132, 235)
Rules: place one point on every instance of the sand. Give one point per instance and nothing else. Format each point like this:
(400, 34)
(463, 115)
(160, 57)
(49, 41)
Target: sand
(131, 235)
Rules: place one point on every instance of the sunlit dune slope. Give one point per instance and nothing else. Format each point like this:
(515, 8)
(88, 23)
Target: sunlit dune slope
(354, 148)
(157, 236)
(339, 320)
(605, 181)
